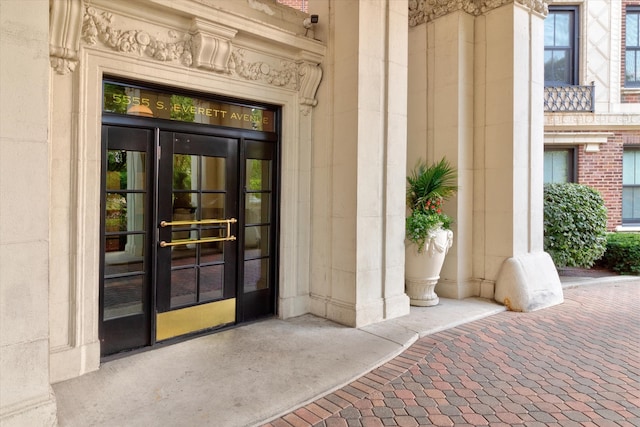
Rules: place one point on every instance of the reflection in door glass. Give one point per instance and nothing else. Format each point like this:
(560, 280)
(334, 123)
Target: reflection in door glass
(199, 194)
(185, 180)
(183, 286)
(124, 262)
(256, 274)
(213, 171)
(258, 174)
(124, 212)
(125, 233)
(257, 208)
(183, 254)
(125, 170)
(123, 296)
(256, 241)
(212, 206)
(211, 281)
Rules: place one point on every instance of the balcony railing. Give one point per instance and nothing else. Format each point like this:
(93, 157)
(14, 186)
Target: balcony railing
(569, 98)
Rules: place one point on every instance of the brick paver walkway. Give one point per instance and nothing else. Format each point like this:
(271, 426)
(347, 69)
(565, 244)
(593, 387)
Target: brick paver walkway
(576, 364)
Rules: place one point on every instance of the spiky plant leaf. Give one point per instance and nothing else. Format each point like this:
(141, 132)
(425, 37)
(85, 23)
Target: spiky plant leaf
(437, 181)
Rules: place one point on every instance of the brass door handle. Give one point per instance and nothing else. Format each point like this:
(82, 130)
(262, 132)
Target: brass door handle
(228, 237)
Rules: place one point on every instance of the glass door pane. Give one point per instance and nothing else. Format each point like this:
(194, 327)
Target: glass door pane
(197, 212)
(259, 207)
(125, 258)
(197, 269)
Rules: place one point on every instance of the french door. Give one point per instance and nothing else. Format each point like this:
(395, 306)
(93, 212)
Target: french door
(189, 232)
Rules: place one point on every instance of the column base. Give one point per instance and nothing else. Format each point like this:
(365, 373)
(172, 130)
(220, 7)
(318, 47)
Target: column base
(457, 289)
(528, 283)
(396, 306)
(71, 362)
(293, 306)
(34, 413)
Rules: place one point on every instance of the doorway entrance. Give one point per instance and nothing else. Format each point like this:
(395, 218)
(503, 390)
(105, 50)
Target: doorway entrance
(189, 228)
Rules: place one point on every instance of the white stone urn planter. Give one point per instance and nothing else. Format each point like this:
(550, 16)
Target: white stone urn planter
(422, 269)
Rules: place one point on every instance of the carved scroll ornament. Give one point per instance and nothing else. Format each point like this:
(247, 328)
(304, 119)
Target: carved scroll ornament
(310, 75)
(64, 34)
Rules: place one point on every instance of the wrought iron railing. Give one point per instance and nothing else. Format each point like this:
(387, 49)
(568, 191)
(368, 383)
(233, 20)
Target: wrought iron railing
(569, 98)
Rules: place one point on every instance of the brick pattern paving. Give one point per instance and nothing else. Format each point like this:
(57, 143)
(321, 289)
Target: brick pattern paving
(576, 364)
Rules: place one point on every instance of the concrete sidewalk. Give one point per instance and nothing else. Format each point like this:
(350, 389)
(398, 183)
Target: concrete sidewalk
(254, 373)
(248, 375)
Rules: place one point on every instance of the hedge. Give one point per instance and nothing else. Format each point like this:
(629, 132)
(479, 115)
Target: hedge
(575, 224)
(623, 253)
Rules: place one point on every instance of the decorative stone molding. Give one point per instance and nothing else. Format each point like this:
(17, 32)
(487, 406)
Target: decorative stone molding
(555, 121)
(98, 27)
(64, 34)
(286, 76)
(422, 11)
(310, 76)
(539, 6)
(211, 45)
(207, 46)
(590, 140)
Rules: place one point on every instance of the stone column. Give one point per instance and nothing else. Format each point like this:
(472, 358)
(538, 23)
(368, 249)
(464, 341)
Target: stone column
(449, 118)
(26, 397)
(509, 83)
(483, 111)
(358, 261)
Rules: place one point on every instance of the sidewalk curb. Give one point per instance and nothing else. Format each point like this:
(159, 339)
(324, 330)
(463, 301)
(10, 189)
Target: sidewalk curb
(569, 282)
(392, 355)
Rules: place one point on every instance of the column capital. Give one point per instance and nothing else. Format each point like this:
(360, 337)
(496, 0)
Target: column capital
(422, 11)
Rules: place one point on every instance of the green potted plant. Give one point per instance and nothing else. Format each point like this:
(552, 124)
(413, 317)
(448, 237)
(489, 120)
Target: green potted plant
(428, 232)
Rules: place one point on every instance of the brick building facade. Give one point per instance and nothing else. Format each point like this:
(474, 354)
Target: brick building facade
(302, 5)
(588, 136)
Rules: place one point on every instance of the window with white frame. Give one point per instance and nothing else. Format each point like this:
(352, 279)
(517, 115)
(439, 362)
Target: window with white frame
(561, 46)
(632, 47)
(631, 186)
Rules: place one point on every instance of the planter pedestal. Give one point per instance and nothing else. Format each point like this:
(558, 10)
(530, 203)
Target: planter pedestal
(422, 270)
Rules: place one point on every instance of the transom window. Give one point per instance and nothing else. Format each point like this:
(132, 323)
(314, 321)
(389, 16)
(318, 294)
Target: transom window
(561, 46)
(559, 165)
(631, 186)
(632, 47)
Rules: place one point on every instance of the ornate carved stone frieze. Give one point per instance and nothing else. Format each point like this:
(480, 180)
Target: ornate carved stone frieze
(207, 46)
(98, 26)
(285, 76)
(421, 11)
(64, 34)
(540, 6)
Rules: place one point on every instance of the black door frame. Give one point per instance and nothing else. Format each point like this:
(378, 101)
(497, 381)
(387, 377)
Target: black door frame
(244, 137)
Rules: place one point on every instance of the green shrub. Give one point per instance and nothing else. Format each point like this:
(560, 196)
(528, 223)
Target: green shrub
(623, 253)
(575, 224)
